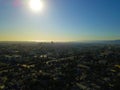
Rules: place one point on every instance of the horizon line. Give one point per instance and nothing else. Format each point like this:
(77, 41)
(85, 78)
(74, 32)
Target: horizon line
(37, 41)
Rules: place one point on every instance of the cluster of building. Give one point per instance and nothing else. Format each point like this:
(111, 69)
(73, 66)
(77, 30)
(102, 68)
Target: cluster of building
(33, 66)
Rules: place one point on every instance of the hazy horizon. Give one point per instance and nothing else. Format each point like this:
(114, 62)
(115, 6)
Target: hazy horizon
(43, 41)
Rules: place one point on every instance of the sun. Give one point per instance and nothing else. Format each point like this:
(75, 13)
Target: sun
(36, 5)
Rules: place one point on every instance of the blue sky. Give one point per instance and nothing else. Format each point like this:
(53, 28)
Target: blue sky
(60, 20)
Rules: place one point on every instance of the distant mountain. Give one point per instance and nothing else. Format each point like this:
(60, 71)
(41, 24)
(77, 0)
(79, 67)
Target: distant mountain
(115, 41)
(108, 42)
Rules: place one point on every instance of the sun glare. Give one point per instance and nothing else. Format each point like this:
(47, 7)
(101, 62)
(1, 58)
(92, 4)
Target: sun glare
(36, 5)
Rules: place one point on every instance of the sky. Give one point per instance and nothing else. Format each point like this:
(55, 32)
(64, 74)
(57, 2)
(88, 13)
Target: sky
(60, 20)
